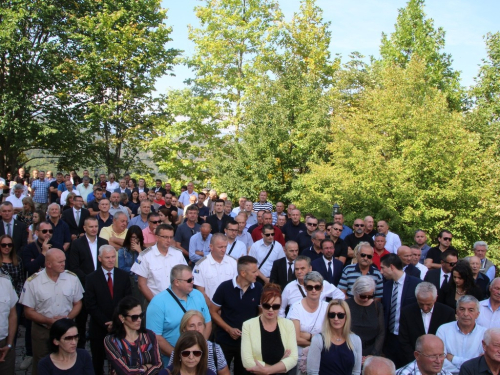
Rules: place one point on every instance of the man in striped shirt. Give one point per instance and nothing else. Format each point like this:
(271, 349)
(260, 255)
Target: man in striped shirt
(263, 204)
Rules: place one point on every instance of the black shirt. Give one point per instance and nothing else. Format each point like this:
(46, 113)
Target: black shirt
(340, 249)
(352, 241)
(434, 253)
(304, 241)
(271, 345)
(292, 231)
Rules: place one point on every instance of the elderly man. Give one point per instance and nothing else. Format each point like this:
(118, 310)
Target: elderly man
(16, 199)
(266, 251)
(241, 206)
(116, 233)
(295, 290)
(429, 357)
(416, 255)
(421, 318)
(363, 267)
(378, 366)
(48, 296)
(482, 281)
(280, 211)
(85, 188)
(243, 235)
(184, 197)
(166, 309)
(69, 189)
(154, 264)
(61, 235)
(489, 363)
(8, 328)
(489, 316)
(117, 207)
(369, 226)
(487, 266)
(462, 339)
(392, 240)
(404, 253)
(199, 244)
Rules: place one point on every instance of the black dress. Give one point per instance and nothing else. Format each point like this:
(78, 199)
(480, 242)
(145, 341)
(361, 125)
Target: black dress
(271, 344)
(368, 323)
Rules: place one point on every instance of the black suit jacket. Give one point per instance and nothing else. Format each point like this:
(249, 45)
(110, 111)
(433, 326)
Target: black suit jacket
(434, 277)
(411, 325)
(155, 189)
(69, 218)
(213, 221)
(320, 266)
(98, 301)
(80, 258)
(407, 298)
(279, 273)
(412, 271)
(19, 235)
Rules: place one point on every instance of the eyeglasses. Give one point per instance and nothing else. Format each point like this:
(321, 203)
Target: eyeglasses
(363, 296)
(447, 238)
(135, 318)
(317, 287)
(359, 225)
(45, 231)
(155, 222)
(333, 315)
(165, 237)
(189, 281)
(452, 264)
(362, 255)
(71, 338)
(7, 245)
(268, 234)
(433, 357)
(312, 224)
(195, 353)
(267, 306)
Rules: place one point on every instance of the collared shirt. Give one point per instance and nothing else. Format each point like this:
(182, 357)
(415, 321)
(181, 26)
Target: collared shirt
(8, 299)
(426, 318)
(61, 232)
(490, 272)
(441, 277)
(106, 274)
(164, 315)
(65, 194)
(487, 317)
(184, 197)
(112, 186)
(376, 258)
(292, 294)
(94, 251)
(401, 283)
(423, 270)
(412, 369)
(75, 212)
(85, 191)
(259, 251)
(462, 346)
(345, 231)
(251, 220)
(237, 249)
(102, 223)
(352, 272)
(139, 222)
(475, 366)
(425, 250)
(149, 237)
(113, 210)
(246, 238)
(155, 267)
(209, 274)
(51, 298)
(10, 229)
(197, 243)
(16, 202)
(275, 216)
(41, 191)
(393, 242)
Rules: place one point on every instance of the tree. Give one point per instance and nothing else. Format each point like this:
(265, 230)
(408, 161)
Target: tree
(404, 157)
(415, 36)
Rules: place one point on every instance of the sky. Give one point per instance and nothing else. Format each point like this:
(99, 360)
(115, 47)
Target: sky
(357, 25)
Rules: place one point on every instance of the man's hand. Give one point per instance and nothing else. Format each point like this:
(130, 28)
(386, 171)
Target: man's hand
(46, 246)
(73, 237)
(235, 333)
(449, 357)
(3, 353)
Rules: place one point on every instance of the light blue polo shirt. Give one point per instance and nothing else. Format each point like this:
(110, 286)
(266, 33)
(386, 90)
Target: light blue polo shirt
(164, 315)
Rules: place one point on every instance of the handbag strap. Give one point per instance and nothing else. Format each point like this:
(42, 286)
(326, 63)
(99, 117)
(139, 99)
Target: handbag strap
(267, 256)
(232, 247)
(301, 291)
(176, 300)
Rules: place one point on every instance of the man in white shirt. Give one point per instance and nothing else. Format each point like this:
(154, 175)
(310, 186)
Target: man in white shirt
(235, 248)
(85, 188)
(241, 207)
(111, 185)
(463, 338)
(266, 251)
(489, 316)
(184, 197)
(215, 268)
(393, 242)
(243, 234)
(416, 253)
(17, 198)
(69, 189)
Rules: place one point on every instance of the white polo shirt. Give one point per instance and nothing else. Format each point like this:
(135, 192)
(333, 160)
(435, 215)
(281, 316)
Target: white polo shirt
(209, 274)
(259, 251)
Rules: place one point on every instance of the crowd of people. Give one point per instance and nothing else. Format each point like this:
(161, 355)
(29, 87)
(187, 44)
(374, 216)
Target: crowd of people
(164, 283)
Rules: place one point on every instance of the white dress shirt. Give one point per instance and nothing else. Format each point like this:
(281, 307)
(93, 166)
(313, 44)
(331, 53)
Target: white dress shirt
(94, 251)
(423, 270)
(106, 274)
(259, 251)
(426, 317)
(401, 283)
(487, 317)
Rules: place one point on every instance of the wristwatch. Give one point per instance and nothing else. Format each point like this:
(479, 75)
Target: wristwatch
(9, 346)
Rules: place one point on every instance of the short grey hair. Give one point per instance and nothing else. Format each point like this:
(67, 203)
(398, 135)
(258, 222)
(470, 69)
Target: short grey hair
(496, 279)
(374, 361)
(117, 215)
(18, 187)
(489, 332)
(360, 245)
(105, 248)
(313, 276)
(304, 258)
(85, 178)
(363, 284)
(480, 243)
(468, 299)
(53, 204)
(314, 233)
(426, 288)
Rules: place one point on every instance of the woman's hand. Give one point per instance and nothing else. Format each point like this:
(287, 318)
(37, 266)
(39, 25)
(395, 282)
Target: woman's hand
(135, 246)
(258, 369)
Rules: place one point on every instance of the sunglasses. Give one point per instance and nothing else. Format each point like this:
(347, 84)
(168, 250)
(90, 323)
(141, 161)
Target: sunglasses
(267, 306)
(268, 234)
(135, 318)
(195, 353)
(155, 222)
(366, 256)
(363, 296)
(447, 238)
(338, 229)
(333, 315)
(312, 224)
(45, 231)
(189, 281)
(359, 225)
(7, 245)
(315, 287)
(452, 264)
(71, 338)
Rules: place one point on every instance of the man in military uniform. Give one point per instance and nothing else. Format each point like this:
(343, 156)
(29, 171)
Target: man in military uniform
(48, 296)
(8, 326)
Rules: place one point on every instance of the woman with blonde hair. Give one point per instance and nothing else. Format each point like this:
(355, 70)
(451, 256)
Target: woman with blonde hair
(336, 350)
(26, 215)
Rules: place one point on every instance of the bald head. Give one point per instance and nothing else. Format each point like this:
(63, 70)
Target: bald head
(205, 230)
(378, 366)
(404, 253)
(53, 254)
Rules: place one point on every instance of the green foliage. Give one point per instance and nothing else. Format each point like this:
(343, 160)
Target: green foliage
(404, 157)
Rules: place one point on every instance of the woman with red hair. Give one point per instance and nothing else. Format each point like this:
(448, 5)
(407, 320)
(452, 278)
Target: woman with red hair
(268, 342)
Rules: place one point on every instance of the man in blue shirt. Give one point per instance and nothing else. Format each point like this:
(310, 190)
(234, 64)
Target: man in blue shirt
(167, 308)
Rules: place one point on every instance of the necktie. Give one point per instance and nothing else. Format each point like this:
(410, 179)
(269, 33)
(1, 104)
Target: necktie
(9, 232)
(330, 272)
(290, 272)
(445, 281)
(110, 284)
(394, 303)
(78, 217)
